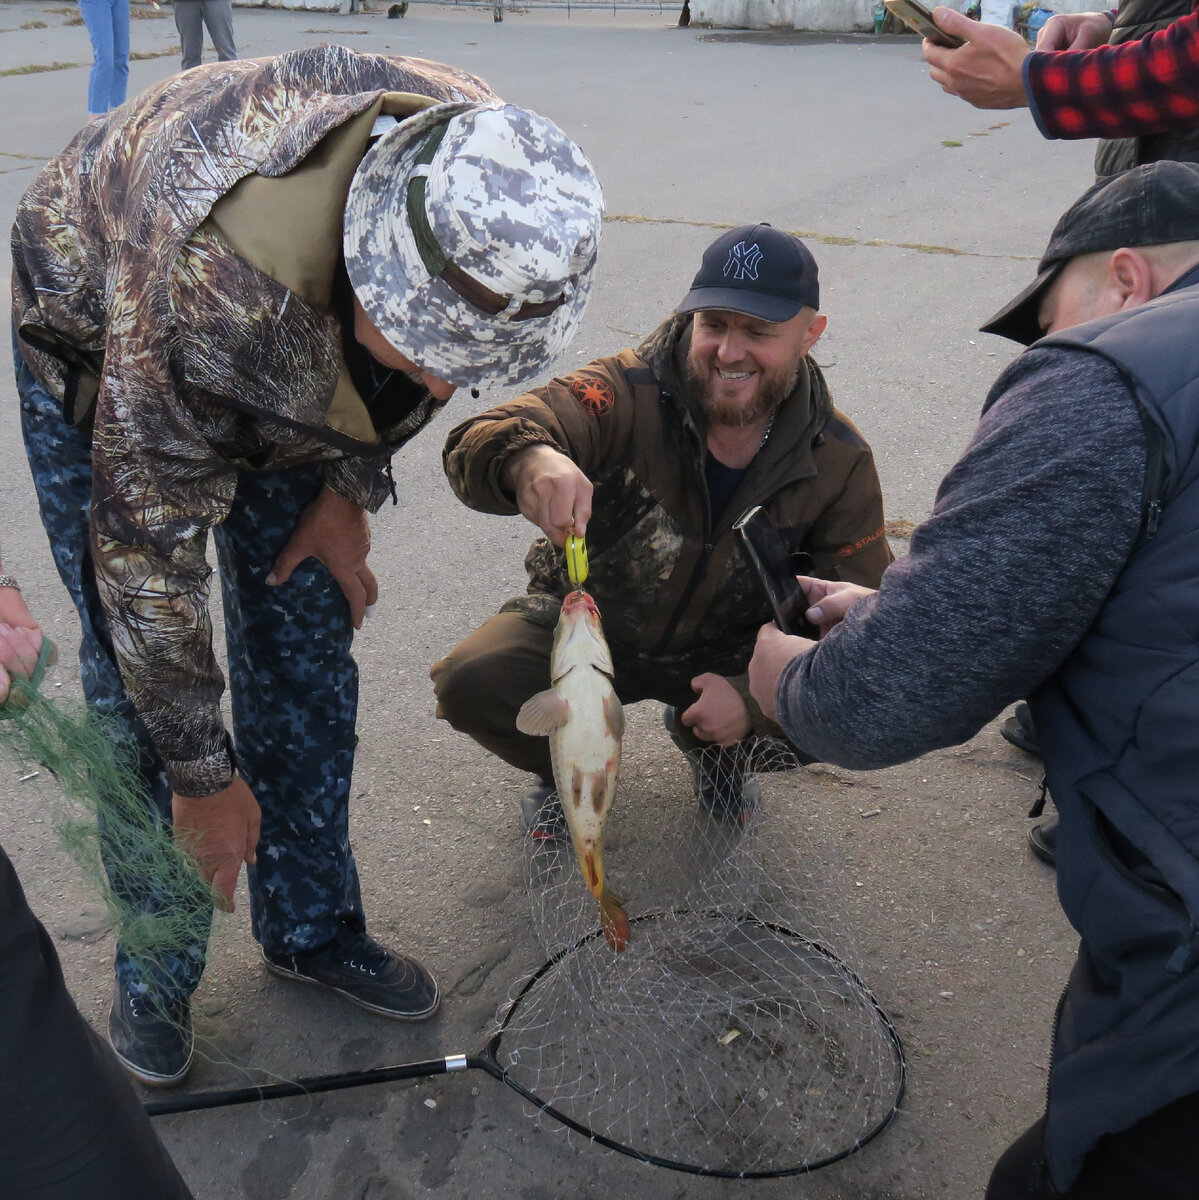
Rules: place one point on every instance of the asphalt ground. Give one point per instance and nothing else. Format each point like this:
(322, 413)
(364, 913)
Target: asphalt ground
(925, 216)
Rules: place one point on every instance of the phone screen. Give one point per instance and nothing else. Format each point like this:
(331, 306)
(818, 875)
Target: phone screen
(768, 555)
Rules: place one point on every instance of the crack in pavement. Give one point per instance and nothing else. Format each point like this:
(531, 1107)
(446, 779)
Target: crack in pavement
(826, 239)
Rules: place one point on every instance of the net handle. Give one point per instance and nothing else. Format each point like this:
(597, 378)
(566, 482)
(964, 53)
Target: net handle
(195, 1101)
(488, 1062)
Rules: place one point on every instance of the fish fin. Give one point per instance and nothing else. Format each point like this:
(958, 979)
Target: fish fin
(614, 922)
(614, 716)
(540, 715)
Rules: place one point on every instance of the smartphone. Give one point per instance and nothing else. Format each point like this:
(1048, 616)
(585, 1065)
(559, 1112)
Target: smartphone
(775, 569)
(913, 14)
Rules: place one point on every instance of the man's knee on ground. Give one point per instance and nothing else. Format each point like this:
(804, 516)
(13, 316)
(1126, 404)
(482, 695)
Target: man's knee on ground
(462, 682)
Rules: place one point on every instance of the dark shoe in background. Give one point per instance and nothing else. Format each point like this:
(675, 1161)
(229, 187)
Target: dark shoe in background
(152, 1039)
(1043, 840)
(541, 814)
(718, 776)
(355, 966)
(1020, 730)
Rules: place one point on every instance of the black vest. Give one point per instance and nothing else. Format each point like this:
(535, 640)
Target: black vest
(1119, 727)
(1136, 19)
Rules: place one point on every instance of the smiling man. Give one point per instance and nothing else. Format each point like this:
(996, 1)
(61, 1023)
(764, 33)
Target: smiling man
(653, 454)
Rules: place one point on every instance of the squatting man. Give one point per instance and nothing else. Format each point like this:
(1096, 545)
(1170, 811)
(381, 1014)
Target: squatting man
(652, 454)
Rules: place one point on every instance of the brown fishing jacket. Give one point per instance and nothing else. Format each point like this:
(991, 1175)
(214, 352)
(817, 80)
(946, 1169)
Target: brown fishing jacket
(173, 270)
(673, 585)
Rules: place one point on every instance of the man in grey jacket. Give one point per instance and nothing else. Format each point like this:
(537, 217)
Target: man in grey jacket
(1060, 563)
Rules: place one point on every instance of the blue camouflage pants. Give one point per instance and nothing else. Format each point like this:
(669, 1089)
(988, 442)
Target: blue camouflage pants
(292, 681)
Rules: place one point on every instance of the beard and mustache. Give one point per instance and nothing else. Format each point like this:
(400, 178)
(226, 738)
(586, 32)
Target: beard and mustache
(774, 386)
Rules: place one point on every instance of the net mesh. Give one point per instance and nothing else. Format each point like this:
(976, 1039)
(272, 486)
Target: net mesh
(103, 802)
(732, 1036)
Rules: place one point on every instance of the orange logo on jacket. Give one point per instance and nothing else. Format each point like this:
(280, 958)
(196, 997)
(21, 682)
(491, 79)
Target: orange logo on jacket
(861, 543)
(595, 395)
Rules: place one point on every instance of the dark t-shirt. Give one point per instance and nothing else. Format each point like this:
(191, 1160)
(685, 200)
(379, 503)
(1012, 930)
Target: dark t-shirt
(722, 483)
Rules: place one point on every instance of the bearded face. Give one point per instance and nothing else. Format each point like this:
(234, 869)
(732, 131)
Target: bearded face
(741, 368)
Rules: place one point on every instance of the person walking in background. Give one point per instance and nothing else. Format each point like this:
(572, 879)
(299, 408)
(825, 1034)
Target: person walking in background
(192, 17)
(107, 24)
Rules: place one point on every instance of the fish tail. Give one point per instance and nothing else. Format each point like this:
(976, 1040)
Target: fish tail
(614, 921)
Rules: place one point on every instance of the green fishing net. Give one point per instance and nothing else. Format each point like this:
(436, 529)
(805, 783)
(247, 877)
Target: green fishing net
(104, 806)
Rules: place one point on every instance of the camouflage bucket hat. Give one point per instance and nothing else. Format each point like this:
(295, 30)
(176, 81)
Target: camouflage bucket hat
(471, 232)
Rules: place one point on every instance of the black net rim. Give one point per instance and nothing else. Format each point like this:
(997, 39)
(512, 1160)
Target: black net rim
(491, 1060)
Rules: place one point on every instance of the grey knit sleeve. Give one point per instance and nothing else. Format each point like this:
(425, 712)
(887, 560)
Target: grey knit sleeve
(1030, 529)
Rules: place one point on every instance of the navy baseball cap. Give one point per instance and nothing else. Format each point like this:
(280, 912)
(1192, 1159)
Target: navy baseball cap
(756, 270)
(1150, 205)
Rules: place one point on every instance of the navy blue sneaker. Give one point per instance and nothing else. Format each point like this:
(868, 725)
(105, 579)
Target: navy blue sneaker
(541, 814)
(1043, 840)
(718, 776)
(153, 1039)
(355, 966)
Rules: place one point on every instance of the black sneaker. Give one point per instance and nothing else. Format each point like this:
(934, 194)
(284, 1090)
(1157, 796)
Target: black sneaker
(153, 1040)
(1020, 730)
(1043, 840)
(541, 814)
(718, 776)
(355, 966)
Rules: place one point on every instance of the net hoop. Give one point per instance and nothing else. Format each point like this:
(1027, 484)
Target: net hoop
(492, 1063)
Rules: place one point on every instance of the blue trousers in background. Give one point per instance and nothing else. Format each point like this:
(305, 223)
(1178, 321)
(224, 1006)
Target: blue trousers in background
(107, 24)
(292, 681)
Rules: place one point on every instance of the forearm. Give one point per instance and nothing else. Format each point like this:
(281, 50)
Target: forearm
(762, 725)
(563, 415)
(157, 612)
(477, 454)
(363, 481)
(1126, 90)
(1029, 532)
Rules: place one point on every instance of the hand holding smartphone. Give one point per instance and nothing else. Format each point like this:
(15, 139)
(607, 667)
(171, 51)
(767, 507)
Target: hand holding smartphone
(768, 555)
(914, 14)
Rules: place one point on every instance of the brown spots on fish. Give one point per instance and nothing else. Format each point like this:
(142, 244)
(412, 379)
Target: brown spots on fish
(614, 716)
(599, 795)
(593, 880)
(576, 787)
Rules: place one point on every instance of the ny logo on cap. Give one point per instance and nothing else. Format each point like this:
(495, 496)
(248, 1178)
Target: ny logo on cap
(742, 262)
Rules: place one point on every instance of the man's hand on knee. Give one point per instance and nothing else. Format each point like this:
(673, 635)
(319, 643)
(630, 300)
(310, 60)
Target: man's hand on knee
(719, 715)
(337, 533)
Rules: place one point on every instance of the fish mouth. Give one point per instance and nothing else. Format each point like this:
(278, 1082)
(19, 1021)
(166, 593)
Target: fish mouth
(580, 599)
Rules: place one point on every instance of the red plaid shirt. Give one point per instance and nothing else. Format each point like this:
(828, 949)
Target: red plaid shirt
(1134, 88)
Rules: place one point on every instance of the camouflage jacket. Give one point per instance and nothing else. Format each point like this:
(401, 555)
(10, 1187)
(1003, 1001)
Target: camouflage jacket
(177, 262)
(673, 585)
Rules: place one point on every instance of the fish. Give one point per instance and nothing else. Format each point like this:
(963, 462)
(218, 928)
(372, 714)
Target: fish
(583, 719)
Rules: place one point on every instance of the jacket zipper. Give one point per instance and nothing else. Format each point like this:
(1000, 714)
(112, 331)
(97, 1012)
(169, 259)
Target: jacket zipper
(1057, 1017)
(705, 554)
(1155, 470)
